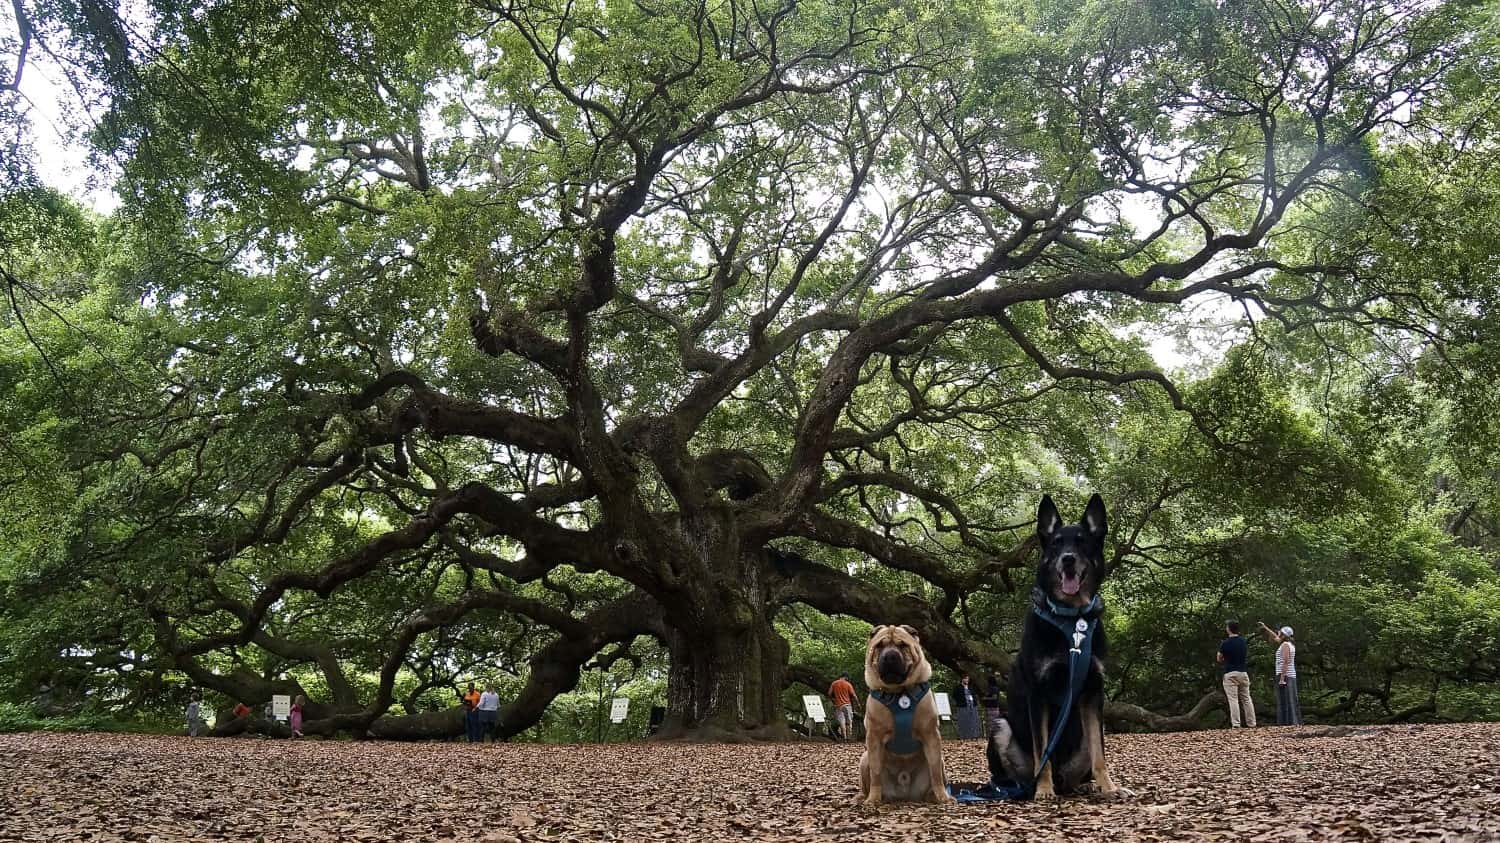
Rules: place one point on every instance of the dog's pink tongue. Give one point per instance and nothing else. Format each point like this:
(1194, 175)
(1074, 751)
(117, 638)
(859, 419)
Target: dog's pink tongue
(1071, 583)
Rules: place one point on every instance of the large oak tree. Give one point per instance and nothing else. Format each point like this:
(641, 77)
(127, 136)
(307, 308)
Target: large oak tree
(562, 324)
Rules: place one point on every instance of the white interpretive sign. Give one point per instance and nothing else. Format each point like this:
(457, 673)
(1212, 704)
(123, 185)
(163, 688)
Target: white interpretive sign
(944, 707)
(814, 705)
(281, 706)
(618, 710)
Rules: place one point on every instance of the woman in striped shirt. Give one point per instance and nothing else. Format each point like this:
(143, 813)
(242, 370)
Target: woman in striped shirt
(1287, 711)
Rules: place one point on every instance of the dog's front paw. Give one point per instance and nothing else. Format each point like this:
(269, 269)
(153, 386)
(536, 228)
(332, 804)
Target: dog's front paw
(943, 797)
(1045, 794)
(1115, 793)
(871, 801)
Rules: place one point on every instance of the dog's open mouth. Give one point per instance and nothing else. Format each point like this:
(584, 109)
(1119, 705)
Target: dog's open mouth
(1071, 582)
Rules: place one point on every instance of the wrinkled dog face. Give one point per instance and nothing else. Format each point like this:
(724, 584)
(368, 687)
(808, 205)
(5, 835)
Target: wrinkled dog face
(893, 657)
(1073, 555)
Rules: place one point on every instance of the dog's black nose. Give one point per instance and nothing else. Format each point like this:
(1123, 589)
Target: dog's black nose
(891, 666)
(1067, 559)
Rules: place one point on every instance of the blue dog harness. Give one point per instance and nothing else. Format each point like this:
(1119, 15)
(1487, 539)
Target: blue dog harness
(1077, 624)
(1072, 622)
(903, 708)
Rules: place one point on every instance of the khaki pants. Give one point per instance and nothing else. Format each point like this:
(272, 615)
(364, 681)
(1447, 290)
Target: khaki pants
(1237, 691)
(843, 718)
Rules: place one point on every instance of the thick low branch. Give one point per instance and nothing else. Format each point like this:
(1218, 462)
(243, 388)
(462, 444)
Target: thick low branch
(435, 617)
(556, 668)
(1125, 715)
(834, 592)
(826, 529)
(319, 653)
(538, 535)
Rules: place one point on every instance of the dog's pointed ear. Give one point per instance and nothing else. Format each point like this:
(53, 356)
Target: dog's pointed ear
(912, 631)
(1048, 522)
(1094, 520)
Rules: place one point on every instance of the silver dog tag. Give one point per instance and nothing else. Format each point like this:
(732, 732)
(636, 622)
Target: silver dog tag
(904, 702)
(1082, 625)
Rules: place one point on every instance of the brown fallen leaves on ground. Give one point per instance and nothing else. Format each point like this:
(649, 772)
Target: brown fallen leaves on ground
(1385, 783)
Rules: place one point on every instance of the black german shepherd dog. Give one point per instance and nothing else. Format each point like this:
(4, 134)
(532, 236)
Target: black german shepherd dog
(1067, 585)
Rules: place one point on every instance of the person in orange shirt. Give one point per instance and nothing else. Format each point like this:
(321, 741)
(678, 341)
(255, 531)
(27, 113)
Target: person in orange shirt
(471, 715)
(842, 694)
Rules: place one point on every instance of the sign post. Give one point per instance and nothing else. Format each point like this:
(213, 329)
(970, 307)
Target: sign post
(281, 707)
(619, 709)
(813, 704)
(944, 706)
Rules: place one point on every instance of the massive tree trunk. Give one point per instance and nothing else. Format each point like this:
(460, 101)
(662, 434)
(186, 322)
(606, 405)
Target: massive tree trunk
(727, 660)
(725, 681)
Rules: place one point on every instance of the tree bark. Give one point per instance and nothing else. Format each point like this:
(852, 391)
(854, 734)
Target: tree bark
(428, 726)
(725, 683)
(728, 663)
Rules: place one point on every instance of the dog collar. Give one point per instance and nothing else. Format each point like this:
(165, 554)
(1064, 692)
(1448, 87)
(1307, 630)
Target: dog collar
(892, 699)
(1044, 606)
(903, 706)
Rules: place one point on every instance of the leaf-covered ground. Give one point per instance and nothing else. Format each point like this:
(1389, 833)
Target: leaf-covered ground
(1420, 783)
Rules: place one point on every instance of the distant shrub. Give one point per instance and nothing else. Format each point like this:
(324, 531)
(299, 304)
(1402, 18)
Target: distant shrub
(20, 718)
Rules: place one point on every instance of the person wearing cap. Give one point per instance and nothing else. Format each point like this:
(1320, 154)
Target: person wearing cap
(842, 694)
(1288, 710)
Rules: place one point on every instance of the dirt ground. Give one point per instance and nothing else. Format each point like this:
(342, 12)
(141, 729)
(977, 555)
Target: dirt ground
(1385, 783)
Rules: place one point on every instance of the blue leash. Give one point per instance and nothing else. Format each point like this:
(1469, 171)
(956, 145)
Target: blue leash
(1078, 659)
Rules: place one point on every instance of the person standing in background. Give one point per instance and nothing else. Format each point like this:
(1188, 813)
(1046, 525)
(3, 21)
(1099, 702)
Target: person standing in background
(194, 715)
(1232, 653)
(471, 714)
(841, 692)
(1288, 708)
(965, 709)
(489, 712)
(295, 718)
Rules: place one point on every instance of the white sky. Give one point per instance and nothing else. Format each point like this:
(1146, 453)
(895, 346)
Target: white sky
(57, 117)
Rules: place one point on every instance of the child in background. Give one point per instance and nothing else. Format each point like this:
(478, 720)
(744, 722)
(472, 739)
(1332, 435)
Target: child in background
(194, 716)
(296, 718)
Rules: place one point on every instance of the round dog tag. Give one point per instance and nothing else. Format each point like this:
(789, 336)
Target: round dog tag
(1082, 625)
(904, 702)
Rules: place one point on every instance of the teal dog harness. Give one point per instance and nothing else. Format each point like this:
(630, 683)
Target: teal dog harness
(903, 708)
